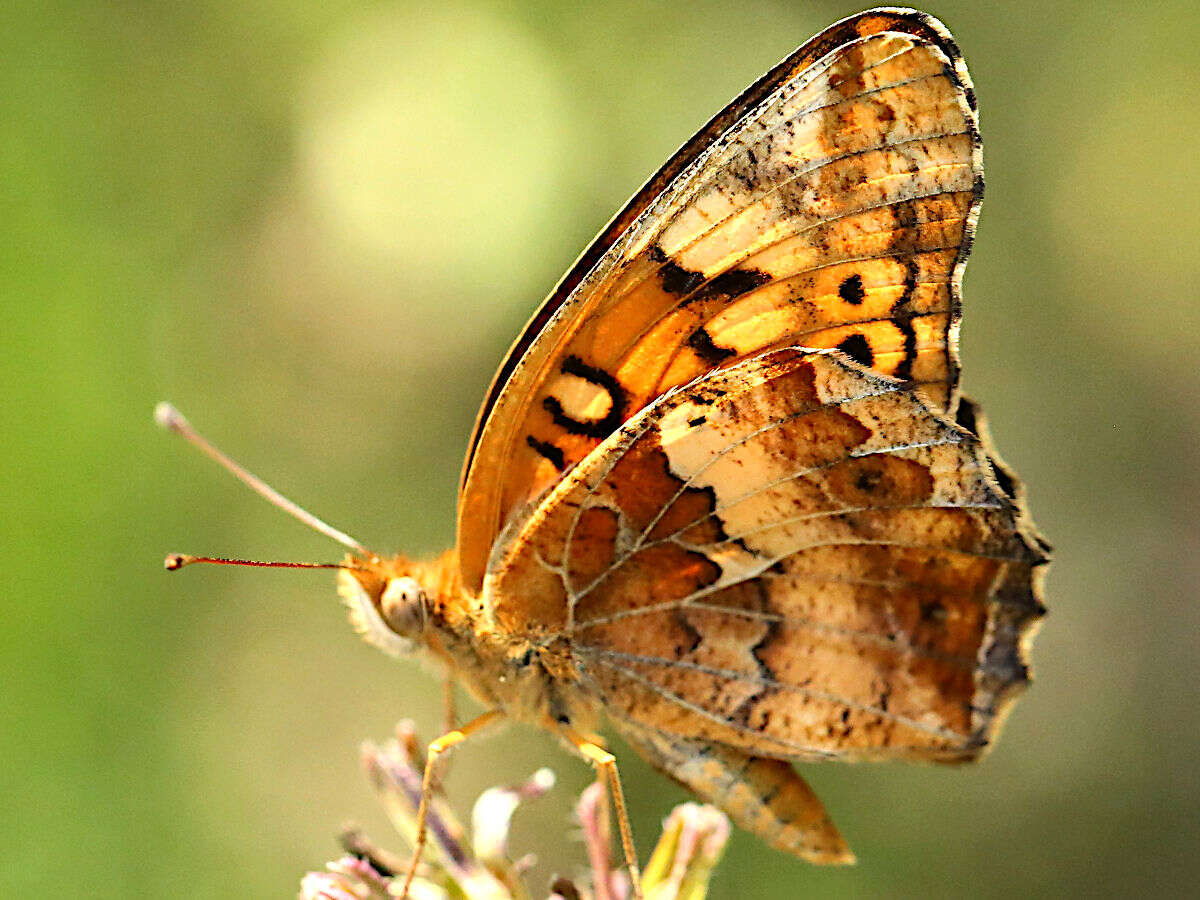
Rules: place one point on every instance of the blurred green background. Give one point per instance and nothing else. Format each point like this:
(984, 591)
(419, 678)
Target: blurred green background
(317, 227)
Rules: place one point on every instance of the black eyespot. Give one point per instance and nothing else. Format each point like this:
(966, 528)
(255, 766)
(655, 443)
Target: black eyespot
(851, 290)
(858, 348)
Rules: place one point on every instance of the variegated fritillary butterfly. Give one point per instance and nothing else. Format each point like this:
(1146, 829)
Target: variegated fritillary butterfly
(724, 488)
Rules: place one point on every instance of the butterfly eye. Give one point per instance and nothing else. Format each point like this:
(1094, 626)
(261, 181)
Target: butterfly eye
(403, 606)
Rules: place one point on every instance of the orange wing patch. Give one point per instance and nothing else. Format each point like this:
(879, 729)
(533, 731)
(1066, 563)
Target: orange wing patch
(791, 556)
(835, 211)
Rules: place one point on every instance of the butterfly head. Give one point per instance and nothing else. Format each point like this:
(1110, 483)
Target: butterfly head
(403, 606)
(388, 605)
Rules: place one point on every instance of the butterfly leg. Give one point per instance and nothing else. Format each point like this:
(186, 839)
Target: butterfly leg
(606, 772)
(436, 749)
(764, 796)
(449, 718)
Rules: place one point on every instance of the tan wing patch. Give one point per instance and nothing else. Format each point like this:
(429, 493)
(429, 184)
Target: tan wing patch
(791, 556)
(765, 796)
(835, 212)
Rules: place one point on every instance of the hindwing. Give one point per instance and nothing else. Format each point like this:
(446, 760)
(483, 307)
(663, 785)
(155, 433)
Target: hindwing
(792, 555)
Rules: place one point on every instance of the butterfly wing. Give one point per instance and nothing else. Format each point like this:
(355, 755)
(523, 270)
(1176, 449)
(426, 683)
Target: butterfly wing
(831, 205)
(792, 556)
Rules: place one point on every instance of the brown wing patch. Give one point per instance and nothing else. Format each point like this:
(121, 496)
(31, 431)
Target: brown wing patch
(880, 480)
(830, 206)
(804, 558)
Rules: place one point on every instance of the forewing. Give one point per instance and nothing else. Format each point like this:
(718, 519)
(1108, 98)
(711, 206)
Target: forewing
(793, 556)
(832, 205)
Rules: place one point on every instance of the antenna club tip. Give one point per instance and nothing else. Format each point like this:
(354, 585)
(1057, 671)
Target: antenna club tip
(168, 417)
(177, 561)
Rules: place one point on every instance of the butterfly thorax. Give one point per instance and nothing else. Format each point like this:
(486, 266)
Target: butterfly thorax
(404, 607)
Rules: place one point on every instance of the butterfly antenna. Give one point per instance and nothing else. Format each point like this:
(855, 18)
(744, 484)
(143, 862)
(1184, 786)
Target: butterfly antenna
(168, 417)
(179, 560)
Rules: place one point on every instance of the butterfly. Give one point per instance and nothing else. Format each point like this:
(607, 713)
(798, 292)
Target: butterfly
(724, 491)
